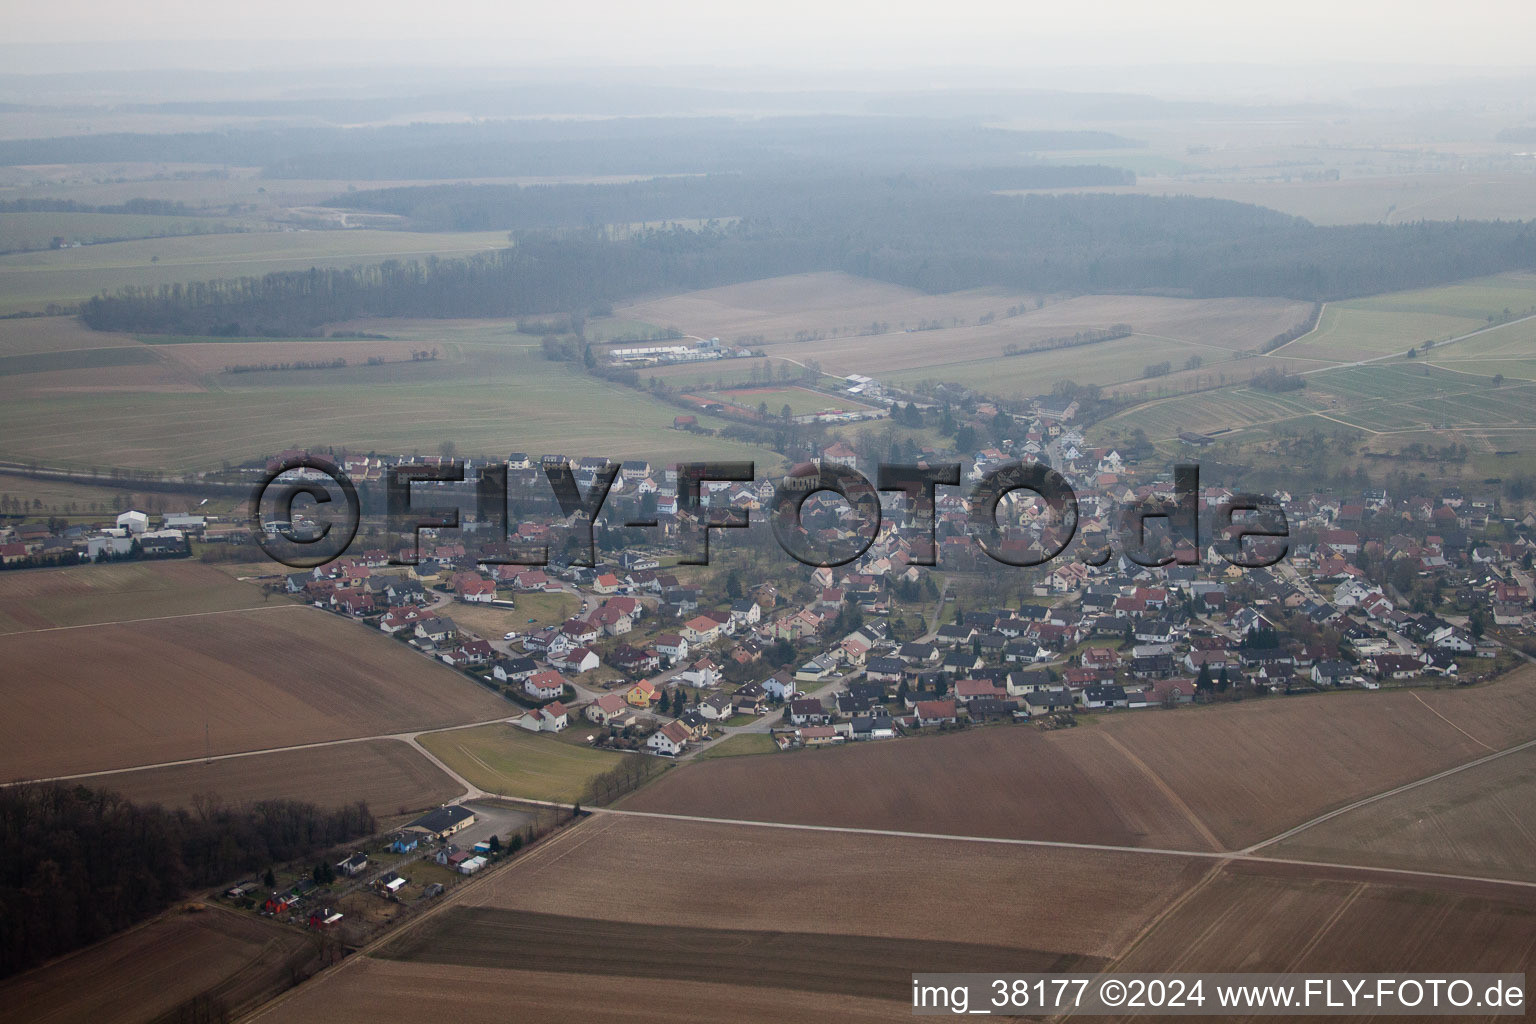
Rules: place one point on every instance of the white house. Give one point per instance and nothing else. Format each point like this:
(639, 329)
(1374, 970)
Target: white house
(670, 739)
(550, 718)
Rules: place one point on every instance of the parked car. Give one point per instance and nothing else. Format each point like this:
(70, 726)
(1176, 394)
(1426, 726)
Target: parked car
(511, 636)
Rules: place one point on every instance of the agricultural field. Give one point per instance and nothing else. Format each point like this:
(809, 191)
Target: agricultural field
(118, 592)
(1020, 783)
(1475, 822)
(389, 775)
(801, 401)
(509, 761)
(29, 282)
(30, 231)
(1355, 200)
(119, 695)
(1289, 918)
(489, 390)
(140, 974)
(369, 989)
(1167, 779)
(54, 334)
(1347, 332)
(836, 309)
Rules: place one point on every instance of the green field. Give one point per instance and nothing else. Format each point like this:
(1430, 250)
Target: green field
(801, 401)
(75, 359)
(743, 745)
(28, 231)
(1348, 332)
(30, 281)
(1108, 362)
(490, 392)
(509, 761)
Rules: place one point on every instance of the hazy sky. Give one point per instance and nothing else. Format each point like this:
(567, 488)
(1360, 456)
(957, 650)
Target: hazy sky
(786, 33)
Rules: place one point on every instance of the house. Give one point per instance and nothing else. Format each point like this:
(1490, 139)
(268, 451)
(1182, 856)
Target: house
(1104, 695)
(873, 727)
(817, 736)
(884, 670)
(551, 717)
(576, 660)
(808, 711)
(779, 686)
(967, 690)
(1331, 672)
(438, 630)
(514, 670)
(1046, 702)
(607, 583)
(701, 629)
(353, 865)
(546, 685)
(935, 712)
(670, 645)
(670, 739)
(403, 842)
(605, 708)
(642, 694)
(716, 707)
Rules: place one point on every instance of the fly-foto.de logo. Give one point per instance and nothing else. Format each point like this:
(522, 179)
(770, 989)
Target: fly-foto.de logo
(1166, 527)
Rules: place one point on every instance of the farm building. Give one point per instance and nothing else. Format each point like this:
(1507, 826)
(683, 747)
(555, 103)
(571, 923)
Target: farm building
(444, 821)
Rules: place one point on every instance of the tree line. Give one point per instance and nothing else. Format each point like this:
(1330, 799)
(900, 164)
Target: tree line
(929, 234)
(77, 864)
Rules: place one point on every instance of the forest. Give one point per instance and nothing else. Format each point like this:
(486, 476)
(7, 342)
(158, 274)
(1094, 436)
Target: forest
(934, 233)
(615, 146)
(78, 864)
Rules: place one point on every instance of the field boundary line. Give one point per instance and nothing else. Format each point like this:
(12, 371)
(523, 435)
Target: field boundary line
(1221, 856)
(1167, 790)
(151, 618)
(399, 737)
(1329, 816)
(1453, 725)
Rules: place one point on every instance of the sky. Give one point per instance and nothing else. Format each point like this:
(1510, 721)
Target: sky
(816, 35)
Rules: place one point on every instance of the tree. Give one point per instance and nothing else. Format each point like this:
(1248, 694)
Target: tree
(1477, 623)
(495, 843)
(1203, 680)
(1223, 681)
(269, 879)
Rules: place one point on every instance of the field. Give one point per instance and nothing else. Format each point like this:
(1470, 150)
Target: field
(834, 311)
(389, 775)
(31, 281)
(1254, 917)
(491, 623)
(145, 972)
(744, 745)
(1475, 822)
(118, 695)
(1170, 779)
(1016, 783)
(489, 390)
(1448, 392)
(1356, 200)
(801, 401)
(509, 761)
(37, 230)
(121, 592)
